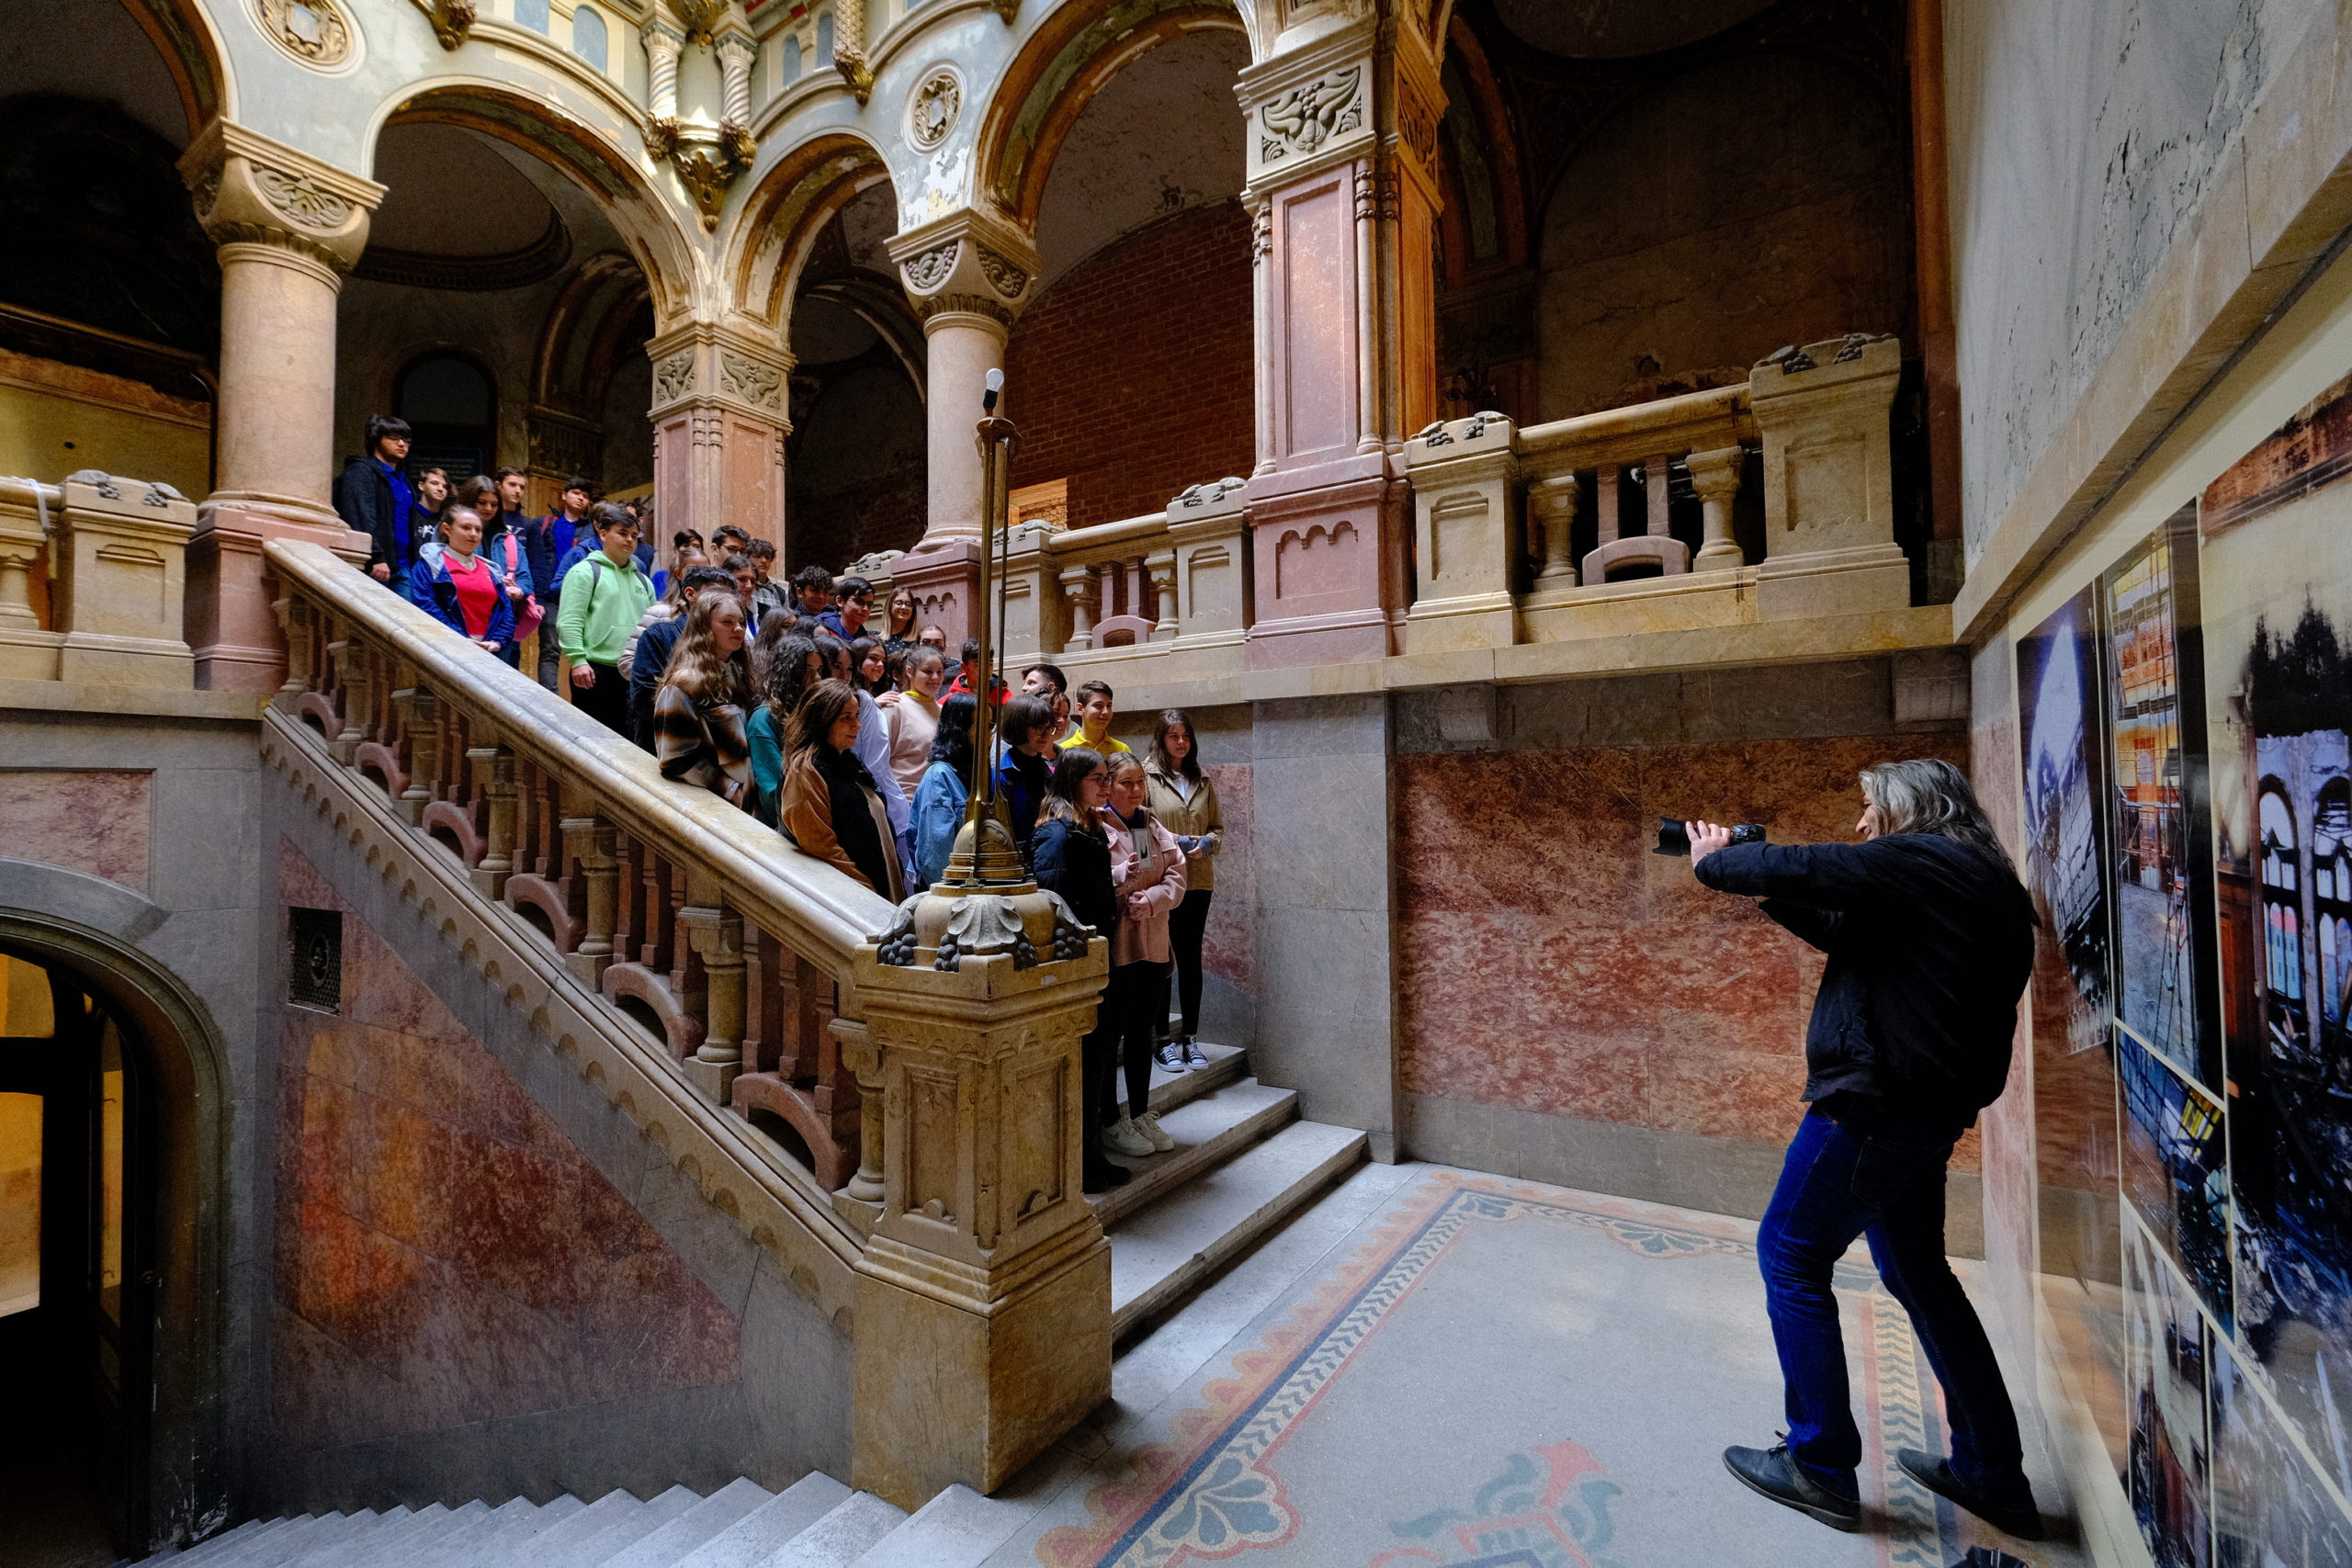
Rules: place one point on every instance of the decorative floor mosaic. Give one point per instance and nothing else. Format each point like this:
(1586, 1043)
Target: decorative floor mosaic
(1501, 1375)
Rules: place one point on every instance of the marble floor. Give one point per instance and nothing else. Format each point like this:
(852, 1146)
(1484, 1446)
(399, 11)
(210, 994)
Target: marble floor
(1433, 1367)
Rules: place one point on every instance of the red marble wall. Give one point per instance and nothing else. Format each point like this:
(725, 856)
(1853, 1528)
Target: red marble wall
(1229, 946)
(1548, 962)
(445, 1253)
(97, 822)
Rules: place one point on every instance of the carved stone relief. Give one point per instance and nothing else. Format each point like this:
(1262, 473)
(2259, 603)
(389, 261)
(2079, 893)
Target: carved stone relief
(930, 270)
(313, 31)
(1311, 114)
(759, 385)
(1003, 277)
(674, 378)
(303, 199)
(932, 107)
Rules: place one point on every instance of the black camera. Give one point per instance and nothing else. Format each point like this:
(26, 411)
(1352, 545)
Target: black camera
(1674, 836)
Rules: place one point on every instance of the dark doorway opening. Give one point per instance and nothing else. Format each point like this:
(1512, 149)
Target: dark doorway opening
(77, 1310)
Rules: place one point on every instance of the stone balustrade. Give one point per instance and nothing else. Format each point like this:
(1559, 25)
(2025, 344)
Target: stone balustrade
(747, 969)
(93, 582)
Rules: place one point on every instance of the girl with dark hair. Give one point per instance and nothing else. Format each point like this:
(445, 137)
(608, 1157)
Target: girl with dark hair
(830, 807)
(1182, 798)
(698, 712)
(869, 667)
(945, 788)
(1148, 872)
(1072, 856)
(794, 666)
(1024, 776)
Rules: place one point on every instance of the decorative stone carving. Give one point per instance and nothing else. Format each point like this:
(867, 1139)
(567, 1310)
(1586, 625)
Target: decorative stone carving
(249, 190)
(303, 199)
(452, 20)
(1003, 277)
(674, 378)
(849, 50)
(1207, 495)
(759, 385)
(930, 269)
(932, 107)
(701, 18)
(1261, 232)
(1311, 114)
(313, 31)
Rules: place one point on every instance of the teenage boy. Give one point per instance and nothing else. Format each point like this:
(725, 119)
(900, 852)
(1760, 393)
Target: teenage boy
(549, 540)
(1094, 715)
(770, 596)
(853, 605)
(372, 497)
(1044, 681)
(604, 596)
(814, 586)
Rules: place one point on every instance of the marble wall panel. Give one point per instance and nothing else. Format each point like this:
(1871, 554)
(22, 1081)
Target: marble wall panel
(92, 822)
(1547, 962)
(1229, 950)
(446, 1256)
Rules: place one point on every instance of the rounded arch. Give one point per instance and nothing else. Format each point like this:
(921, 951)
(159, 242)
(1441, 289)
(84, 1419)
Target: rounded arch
(786, 209)
(191, 52)
(887, 313)
(130, 953)
(1478, 165)
(646, 221)
(1064, 64)
(604, 293)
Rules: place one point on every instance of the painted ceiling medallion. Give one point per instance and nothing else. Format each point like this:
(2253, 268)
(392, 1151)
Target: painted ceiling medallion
(932, 109)
(313, 31)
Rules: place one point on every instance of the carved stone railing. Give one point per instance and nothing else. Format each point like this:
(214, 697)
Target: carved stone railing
(93, 582)
(1170, 587)
(1614, 502)
(739, 970)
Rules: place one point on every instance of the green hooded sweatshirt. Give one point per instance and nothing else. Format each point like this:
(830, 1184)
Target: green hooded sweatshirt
(602, 604)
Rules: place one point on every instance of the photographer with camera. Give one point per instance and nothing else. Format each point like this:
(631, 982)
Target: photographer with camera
(1930, 940)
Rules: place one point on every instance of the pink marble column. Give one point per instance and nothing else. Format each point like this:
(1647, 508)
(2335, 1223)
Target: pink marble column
(288, 227)
(1342, 181)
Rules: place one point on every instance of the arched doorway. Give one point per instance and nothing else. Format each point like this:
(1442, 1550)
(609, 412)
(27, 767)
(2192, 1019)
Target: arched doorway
(77, 1269)
(451, 404)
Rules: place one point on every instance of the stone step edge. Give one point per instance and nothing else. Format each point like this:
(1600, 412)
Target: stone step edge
(1187, 1279)
(1161, 1173)
(1227, 1064)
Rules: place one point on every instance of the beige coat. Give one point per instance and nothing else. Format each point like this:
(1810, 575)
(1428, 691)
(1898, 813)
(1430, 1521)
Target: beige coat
(1143, 938)
(1187, 820)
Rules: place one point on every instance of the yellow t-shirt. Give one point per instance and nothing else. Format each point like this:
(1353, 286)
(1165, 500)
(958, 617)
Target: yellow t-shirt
(1110, 742)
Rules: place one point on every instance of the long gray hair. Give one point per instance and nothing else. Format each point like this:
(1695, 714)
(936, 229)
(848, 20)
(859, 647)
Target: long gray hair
(1929, 796)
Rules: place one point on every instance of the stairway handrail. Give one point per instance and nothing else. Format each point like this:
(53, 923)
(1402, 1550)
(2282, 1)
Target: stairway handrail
(812, 908)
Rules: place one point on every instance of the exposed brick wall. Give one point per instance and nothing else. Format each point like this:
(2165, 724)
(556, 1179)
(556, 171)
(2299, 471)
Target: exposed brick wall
(1132, 376)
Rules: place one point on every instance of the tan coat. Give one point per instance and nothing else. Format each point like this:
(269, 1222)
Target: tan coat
(1187, 820)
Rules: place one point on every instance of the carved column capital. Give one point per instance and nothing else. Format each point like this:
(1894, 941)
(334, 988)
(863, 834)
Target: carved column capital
(973, 261)
(249, 190)
(710, 361)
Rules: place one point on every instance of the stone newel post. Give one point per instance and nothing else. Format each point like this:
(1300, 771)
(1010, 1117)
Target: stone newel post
(984, 1293)
(288, 228)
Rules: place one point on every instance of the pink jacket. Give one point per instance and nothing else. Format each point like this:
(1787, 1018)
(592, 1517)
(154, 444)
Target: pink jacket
(1143, 938)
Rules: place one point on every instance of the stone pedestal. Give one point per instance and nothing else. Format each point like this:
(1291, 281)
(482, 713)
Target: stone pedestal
(1828, 486)
(288, 228)
(1342, 181)
(984, 1293)
(122, 583)
(719, 426)
(1208, 527)
(1466, 536)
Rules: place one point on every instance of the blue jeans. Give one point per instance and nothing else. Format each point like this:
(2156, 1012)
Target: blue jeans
(1837, 1185)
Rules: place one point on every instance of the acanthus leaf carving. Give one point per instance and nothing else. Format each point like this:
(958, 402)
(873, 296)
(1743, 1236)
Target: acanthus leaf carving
(1312, 113)
(759, 385)
(1003, 275)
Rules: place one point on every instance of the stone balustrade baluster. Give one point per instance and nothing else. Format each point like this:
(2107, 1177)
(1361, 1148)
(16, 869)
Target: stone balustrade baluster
(1553, 503)
(356, 700)
(493, 771)
(1161, 566)
(860, 1057)
(1078, 591)
(1715, 476)
(1604, 496)
(1657, 488)
(421, 714)
(715, 932)
(589, 841)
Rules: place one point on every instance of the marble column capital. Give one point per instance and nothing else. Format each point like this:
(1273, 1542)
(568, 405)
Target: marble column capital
(251, 190)
(1369, 90)
(973, 262)
(717, 362)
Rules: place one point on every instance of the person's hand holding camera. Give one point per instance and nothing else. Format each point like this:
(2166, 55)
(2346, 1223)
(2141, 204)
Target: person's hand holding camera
(1706, 837)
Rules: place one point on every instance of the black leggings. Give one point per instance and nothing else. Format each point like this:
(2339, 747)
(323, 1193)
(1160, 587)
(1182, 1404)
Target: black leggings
(607, 700)
(1187, 924)
(1127, 1001)
(1098, 1069)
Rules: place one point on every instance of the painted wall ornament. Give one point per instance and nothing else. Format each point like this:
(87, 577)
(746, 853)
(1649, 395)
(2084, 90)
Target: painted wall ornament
(315, 32)
(932, 107)
(1311, 114)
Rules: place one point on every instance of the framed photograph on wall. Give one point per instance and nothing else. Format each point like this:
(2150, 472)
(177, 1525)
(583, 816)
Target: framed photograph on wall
(2169, 1473)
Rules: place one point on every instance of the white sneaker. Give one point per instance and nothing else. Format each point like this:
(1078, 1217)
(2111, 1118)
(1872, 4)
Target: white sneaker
(1123, 1137)
(1148, 1126)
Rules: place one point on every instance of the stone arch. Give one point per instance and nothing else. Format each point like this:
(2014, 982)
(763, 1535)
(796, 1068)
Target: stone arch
(785, 212)
(1065, 62)
(1476, 127)
(184, 36)
(646, 221)
(590, 335)
(131, 954)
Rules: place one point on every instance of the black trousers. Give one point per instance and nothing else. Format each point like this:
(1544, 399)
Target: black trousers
(607, 702)
(1135, 989)
(1098, 1069)
(1188, 922)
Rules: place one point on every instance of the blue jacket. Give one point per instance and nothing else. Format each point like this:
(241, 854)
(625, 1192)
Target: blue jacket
(1021, 779)
(430, 590)
(581, 548)
(548, 539)
(939, 816)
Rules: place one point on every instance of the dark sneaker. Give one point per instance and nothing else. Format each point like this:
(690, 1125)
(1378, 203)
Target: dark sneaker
(1170, 1057)
(1102, 1175)
(1775, 1475)
(2014, 1514)
(1195, 1058)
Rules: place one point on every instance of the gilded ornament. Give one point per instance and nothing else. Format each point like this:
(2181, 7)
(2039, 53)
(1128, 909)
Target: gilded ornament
(452, 20)
(932, 109)
(313, 31)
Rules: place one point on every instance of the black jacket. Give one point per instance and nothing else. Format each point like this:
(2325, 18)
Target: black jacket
(363, 499)
(655, 646)
(1930, 946)
(1076, 864)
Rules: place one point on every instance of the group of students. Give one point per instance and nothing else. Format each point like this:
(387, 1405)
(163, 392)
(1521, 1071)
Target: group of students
(789, 701)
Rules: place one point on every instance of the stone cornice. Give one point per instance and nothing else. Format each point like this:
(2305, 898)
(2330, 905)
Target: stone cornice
(709, 362)
(251, 189)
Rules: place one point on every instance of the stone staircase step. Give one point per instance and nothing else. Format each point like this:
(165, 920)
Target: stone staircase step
(694, 1527)
(410, 1548)
(486, 1540)
(631, 1529)
(1169, 1090)
(958, 1528)
(844, 1534)
(1162, 1253)
(555, 1546)
(757, 1536)
(298, 1536)
(228, 1543)
(1208, 1132)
